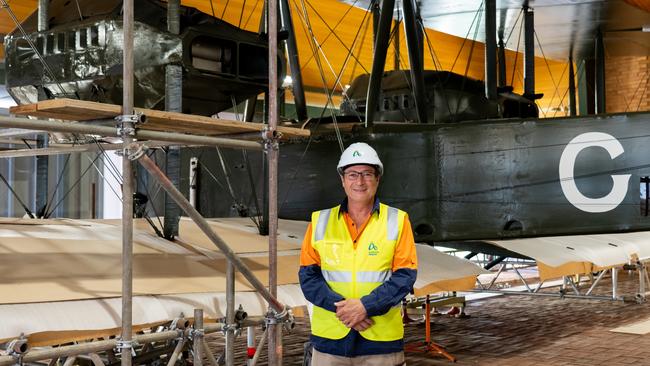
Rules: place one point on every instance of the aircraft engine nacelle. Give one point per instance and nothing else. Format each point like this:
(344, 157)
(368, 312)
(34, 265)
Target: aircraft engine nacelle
(83, 58)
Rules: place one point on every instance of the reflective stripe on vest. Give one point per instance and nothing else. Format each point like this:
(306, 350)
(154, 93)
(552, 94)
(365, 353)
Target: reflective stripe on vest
(355, 270)
(322, 224)
(337, 276)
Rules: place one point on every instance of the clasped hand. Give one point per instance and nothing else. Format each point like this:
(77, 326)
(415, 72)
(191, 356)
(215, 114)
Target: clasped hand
(352, 313)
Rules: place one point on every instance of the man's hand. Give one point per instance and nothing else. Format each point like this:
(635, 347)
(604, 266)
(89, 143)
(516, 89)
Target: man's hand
(363, 325)
(351, 312)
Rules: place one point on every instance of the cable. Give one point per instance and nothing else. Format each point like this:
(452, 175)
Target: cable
(257, 2)
(50, 212)
(241, 15)
(331, 30)
(27, 210)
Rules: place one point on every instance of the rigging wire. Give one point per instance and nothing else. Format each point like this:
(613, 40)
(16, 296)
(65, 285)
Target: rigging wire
(320, 48)
(469, 30)
(58, 183)
(469, 58)
(81, 17)
(433, 57)
(344, 66)
(332, 30)
(556, 85)
(241, 14)
(361, 44)
(212, 7)
(256, 220)
(349, 54)
(322, 75)
(557, 89)
(224, 8)
(292, 180)
(638, 106)
(150, 202)
(17, 197)
(257, 2)
(521, 11)
(51, 211)
(117, 195)
(514, 66)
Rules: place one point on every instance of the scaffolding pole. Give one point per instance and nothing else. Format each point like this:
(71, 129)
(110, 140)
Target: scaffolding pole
(271, 146)
(125, 345)
(230, 315)
(179, 138)
(105, 345)
(168, 186)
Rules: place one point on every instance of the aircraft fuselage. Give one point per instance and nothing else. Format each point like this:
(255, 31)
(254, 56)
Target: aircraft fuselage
(488, 179)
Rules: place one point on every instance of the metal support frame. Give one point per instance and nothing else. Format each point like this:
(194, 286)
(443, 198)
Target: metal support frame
(382, 40)
(127, 188)
(294, 62)
(204, 226)
(42, 173)
(72, 351)
(178, 138)
(491, 49)
(568, 282)
(42, 139)
(529, 52)
(600, 73)
(197, 338)
(502, 62)
(375, 10)
(415, 59)
(278, 312)
(272, 152)
(572, 89)
(194, 177)
(173, 103)
(230, 315)
(43, 15)
(396, 46)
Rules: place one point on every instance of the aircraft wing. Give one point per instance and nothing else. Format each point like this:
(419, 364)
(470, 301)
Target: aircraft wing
(572, 254)
(62, 278)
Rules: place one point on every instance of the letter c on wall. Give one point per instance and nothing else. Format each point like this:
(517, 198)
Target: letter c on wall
(567, 165)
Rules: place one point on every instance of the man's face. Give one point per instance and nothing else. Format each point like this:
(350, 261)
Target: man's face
(360, 183)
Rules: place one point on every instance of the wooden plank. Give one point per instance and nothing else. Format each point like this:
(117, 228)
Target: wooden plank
(80, 110)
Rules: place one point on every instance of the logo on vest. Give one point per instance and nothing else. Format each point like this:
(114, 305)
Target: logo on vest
(372, 249)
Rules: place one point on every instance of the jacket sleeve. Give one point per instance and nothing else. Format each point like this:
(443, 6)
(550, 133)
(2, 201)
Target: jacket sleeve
(312, 282)
(401, 282)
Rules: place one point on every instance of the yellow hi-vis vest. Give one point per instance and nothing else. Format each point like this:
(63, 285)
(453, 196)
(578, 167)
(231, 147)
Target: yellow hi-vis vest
(355, 272)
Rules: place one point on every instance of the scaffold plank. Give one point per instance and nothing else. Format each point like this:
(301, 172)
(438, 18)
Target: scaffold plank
(80, 110)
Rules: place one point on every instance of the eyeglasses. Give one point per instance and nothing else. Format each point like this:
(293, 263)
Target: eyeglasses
(354, 175)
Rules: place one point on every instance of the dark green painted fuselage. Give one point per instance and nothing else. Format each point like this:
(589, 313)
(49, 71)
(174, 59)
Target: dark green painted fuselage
(470, 180)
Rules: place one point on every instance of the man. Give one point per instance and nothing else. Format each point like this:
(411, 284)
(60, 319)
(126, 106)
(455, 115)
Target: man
(357, 263)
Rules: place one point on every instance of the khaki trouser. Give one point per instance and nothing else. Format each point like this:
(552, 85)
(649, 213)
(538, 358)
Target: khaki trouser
(390, 359)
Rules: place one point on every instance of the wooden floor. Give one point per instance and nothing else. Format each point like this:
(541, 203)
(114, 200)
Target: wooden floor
(519, 330)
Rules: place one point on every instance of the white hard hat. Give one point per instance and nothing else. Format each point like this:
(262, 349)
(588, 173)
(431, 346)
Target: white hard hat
(360, 153)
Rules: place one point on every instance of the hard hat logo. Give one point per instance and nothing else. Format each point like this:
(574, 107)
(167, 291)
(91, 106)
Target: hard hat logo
(360, 153)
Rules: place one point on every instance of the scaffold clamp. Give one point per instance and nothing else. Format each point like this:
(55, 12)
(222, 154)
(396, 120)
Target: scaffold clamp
(196, 333)
(285, 317)
(122, 344)
(135, 151)
(270, 137)
(134, 119)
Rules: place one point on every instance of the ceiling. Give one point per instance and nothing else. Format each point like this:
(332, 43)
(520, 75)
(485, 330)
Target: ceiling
(332, 27)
